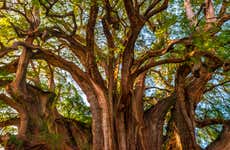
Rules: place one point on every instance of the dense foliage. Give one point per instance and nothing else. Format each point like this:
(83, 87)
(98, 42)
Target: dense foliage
(117, 70)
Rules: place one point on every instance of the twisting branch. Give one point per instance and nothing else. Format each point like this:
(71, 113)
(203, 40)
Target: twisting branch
(58, 61)
(69, 14)
(223, 19)
(4, 52)
(155, 53)
(153, 11)
(217, 62)
(73, 42)
(151, 6)
(160, 62)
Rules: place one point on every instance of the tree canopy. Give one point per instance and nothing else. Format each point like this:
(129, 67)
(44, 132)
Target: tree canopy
(115, 74)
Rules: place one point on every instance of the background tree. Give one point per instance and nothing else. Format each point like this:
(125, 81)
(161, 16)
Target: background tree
(151, 71)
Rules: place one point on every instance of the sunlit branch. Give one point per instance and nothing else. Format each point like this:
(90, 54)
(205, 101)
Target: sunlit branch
(58, 61)
(155, 53)
(152, 63)
(160, 62)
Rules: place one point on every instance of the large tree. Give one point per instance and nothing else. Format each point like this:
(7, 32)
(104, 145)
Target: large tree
(144, 65)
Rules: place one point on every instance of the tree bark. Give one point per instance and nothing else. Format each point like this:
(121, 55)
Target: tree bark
(222, 142)
(41, 126)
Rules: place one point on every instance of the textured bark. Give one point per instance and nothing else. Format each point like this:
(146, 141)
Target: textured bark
(40, 125)
(154, 121)
(174, 142)
(118, 117)
(183, 119)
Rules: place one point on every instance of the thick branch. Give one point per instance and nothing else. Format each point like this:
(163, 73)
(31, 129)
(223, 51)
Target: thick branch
(58, 61)
(151, 6)
(11, 67)
(10, 122)
(183, 120)
(4, 82)
(154, 121)
(160, 62)
(91, 26)
(92, 68)
(222, 142)
(127, 62)
(157, 10)
(7, 100)
(137, 104)
(4, 52)
(223, 19)
(73, 42)
(155, 53)
(20, 79)
(108, 34)
(223, 8)
(130, 10)
(214, 86)
(207, 122)
(217, 62)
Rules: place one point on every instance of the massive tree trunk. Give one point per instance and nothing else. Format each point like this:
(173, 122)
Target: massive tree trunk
(119, 121)
(126, 128)
(42, 127)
